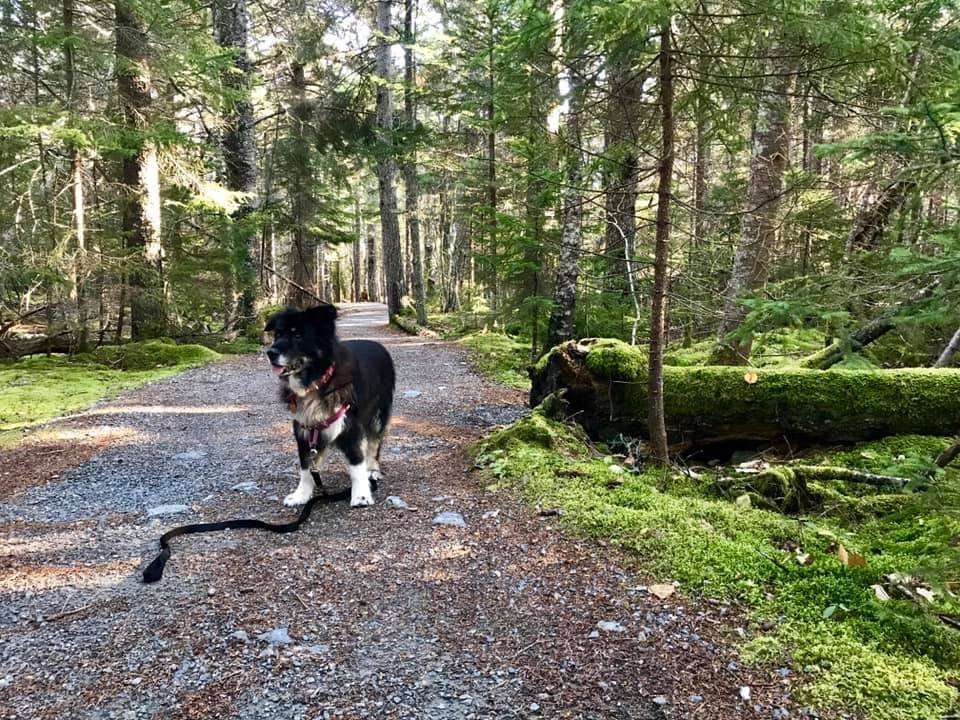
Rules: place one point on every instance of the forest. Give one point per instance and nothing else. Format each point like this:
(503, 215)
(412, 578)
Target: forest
(715, 234)
(554, 170)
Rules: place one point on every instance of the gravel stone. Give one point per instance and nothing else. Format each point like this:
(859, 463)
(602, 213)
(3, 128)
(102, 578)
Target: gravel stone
(167, 510)
(611, 626)
(278, 636)
(450, 518)
(396, 502)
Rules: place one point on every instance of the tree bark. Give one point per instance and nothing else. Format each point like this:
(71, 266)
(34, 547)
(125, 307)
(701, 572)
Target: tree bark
(386, 164)
(411, 181)
(491, 140)
(78, 270)
(357, 240)
(560, 326)
(238, 141)
(701, 168)
(621, 134)
(751, 265)
(872, 219)
(373, 295)
(140, 176)
(949, 351)
(658, 312)
(303, 243)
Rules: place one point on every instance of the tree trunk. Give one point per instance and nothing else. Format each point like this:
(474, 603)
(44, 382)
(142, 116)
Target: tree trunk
(386, 164)
(759, 226)
(303, 244)
(373, 295)
(456, 258)
(701, 168)
(140, 177)
(239, 144)
(871, 221)
(492, 158)
(656, 423)
(357, 240)
(411, 181)
(949, 351)
(78, 271)
(560, 326)
(621, 135)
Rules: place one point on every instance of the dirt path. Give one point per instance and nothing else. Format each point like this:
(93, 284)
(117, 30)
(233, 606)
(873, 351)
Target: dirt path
(387, 615)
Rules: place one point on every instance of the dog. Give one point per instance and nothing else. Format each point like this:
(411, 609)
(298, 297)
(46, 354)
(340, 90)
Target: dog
(340, 394)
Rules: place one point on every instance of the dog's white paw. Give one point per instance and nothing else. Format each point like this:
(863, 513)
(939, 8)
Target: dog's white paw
(361, 500)
(375, 475)
(296, 498)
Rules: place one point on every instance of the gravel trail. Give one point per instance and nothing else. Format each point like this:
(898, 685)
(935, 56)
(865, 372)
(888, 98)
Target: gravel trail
(373, 612)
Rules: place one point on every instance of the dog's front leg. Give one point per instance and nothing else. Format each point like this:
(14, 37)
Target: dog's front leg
(360, 492)
(306, 486)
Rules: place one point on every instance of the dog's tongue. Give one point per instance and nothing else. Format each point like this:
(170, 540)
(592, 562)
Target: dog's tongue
(277, 369)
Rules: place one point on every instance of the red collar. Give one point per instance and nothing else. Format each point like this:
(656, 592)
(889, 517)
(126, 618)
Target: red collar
(325, 378)
(316, 429)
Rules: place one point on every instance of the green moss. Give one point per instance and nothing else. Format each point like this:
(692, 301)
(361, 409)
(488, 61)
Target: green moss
(541, 364)
(38, 389)
(852, 404)
(153, 354)
(616, 360)
(889, 661)
(407, 324)
(501, 357)
(695, 354)
(240, 346)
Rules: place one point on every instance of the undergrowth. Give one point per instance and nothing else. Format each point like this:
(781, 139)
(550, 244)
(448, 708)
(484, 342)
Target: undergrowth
(890, 660)
(38, 389)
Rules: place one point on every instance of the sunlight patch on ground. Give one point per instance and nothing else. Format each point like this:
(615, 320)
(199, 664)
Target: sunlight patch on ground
(167, 410)
(99, 432)
(50, 577)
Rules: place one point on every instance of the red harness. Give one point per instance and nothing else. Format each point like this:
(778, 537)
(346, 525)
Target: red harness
(315, 430)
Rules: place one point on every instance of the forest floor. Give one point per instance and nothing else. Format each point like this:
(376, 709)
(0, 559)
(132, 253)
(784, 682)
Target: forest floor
(363, 613)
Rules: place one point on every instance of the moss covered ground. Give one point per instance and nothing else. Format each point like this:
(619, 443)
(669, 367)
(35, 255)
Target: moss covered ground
(38, 389)
(851, 652)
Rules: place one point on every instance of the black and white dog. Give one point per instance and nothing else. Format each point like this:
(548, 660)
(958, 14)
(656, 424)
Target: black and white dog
(340, 393)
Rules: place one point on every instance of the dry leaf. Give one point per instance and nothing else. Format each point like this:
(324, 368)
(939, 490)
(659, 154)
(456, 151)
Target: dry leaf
(850, 559)
(750, 377)
(881, 594)
(662, 590)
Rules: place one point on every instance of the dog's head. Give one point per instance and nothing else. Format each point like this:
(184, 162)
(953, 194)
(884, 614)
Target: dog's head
(303, 344)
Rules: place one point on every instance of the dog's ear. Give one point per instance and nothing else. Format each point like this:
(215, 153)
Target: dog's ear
(272, 323)
(323, 316)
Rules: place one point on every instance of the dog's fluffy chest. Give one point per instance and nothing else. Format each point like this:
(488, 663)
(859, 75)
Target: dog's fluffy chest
(313, 411)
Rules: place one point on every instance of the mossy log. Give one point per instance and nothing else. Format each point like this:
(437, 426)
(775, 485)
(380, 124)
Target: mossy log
(605, 386)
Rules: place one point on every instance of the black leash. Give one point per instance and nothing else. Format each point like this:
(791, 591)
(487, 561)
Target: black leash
(154, 571)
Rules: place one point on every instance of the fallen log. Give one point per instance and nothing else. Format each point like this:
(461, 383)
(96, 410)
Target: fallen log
(604, 384)
(13, 348)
